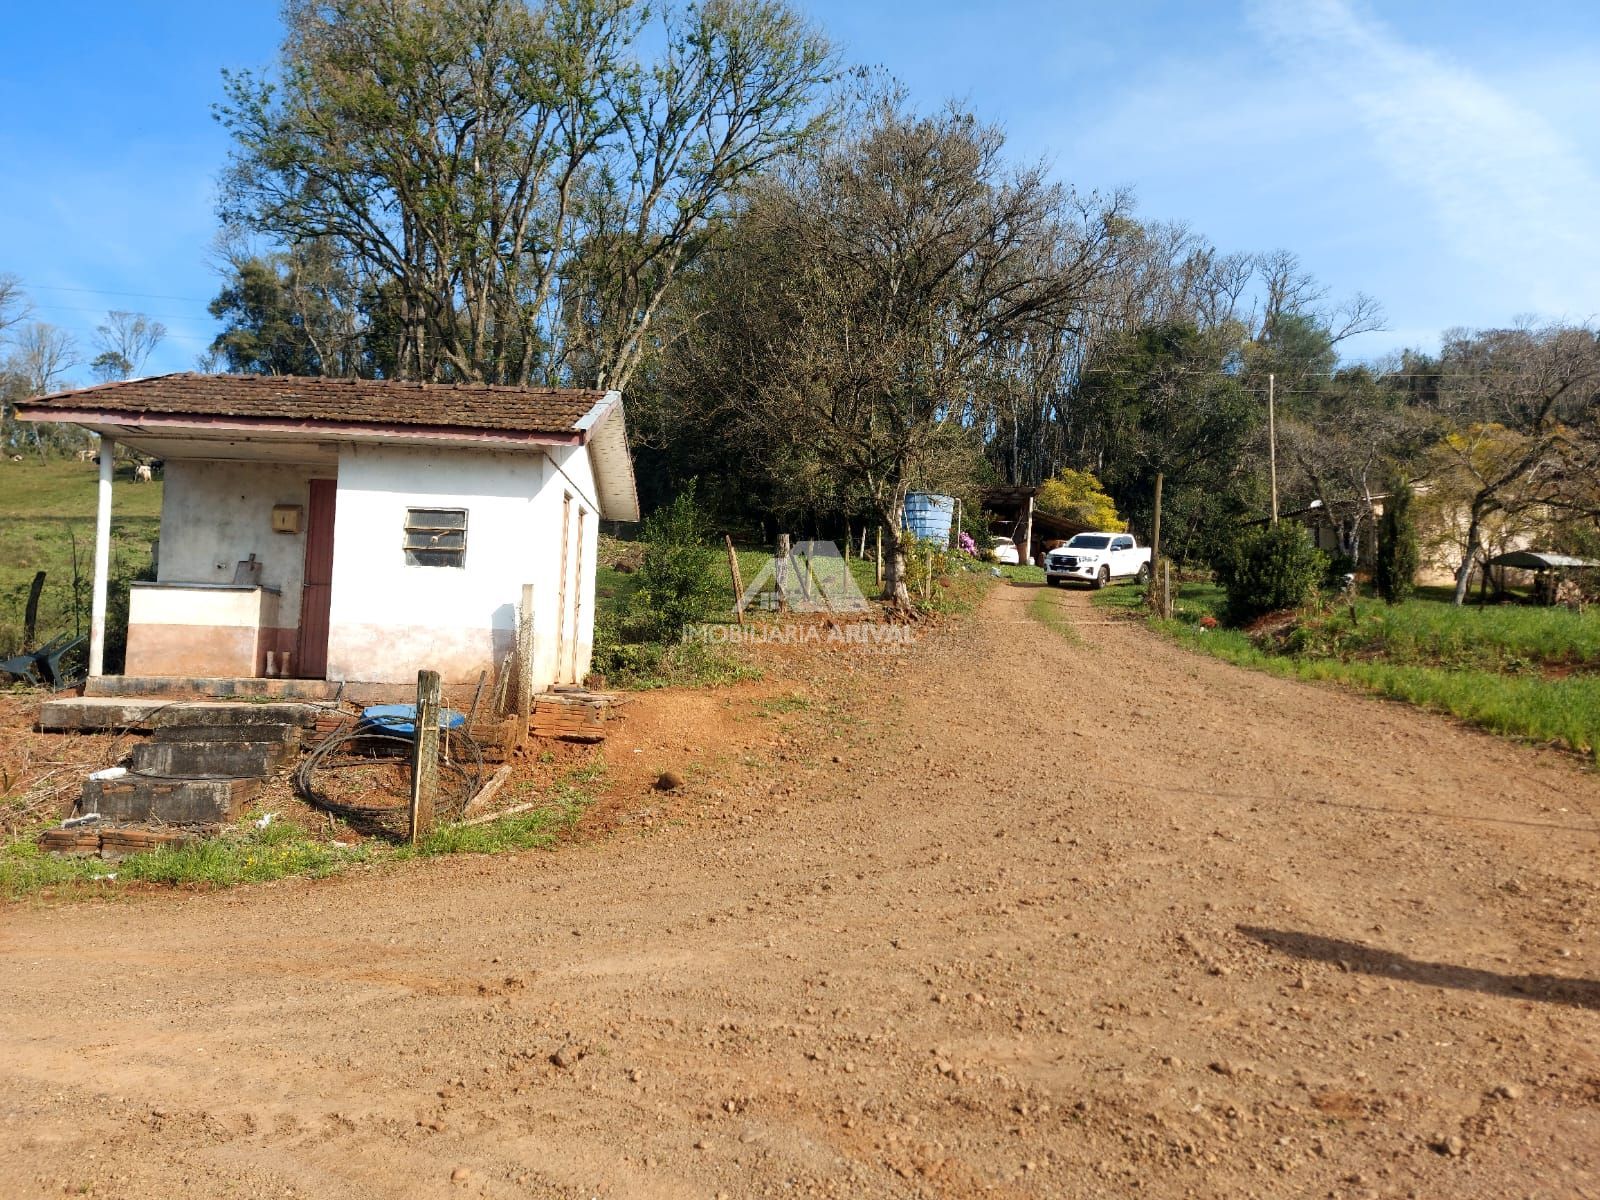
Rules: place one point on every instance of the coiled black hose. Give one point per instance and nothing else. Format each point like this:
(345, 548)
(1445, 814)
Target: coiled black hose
(460, 775)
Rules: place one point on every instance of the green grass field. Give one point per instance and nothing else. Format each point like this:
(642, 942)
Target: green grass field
(1526, 671)
(47, 515)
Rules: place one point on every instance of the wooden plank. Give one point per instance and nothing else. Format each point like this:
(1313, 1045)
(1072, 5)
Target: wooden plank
(487, 792)
(506, 812)
(425, 755)
(738, 580)
(525, 660)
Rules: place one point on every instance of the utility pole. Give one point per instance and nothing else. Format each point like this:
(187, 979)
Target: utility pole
(1272, 442)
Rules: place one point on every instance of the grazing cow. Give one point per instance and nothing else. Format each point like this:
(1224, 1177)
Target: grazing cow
(141, 473)
(87, 456)
(16, 458)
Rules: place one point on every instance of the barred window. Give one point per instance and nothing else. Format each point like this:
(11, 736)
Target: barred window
(436, 537)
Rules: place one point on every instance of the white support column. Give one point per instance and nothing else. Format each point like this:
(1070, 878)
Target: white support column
(102, 562)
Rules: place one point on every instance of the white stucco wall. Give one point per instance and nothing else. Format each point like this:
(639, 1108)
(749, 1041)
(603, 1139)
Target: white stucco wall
(215, 514)
(571, 472)
(390, 619)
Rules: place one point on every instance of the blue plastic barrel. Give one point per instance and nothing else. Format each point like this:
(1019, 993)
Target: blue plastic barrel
(929, 516)
(401, 719)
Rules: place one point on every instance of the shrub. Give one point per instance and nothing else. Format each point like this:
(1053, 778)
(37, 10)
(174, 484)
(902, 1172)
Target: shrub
(1274, 568)
(675, 584)
(1395, 571)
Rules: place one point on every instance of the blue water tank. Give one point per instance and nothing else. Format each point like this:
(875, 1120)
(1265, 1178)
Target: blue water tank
(929, 516)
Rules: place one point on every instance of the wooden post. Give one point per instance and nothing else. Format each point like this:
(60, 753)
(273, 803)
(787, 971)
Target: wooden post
(1166, 590)
(738, 580)
(802, 573)
(957, 542)
(525, 663)
(1155, 531)
(880, 555)
(425, 755)
(780, 572)
(102, 561)
(1272, 442)
(1027, 535)
(30, 613)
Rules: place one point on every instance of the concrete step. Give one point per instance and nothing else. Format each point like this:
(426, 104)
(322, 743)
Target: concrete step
(234, 714)
(216, 759)
(288, 734)
(185, 687)
(134, 797)
(97, 714)
(94, 714)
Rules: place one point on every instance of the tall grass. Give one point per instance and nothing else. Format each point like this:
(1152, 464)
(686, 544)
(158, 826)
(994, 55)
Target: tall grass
(1515, 669)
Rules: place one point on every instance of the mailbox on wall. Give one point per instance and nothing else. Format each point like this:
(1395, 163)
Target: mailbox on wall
(288, 518)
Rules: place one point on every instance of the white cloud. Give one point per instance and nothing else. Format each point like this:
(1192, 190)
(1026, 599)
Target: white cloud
(1504, 187)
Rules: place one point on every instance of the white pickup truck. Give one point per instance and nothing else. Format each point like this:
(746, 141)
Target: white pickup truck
(1097, 559)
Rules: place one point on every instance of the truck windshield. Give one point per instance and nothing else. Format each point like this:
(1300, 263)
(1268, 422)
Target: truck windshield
(1089, 541)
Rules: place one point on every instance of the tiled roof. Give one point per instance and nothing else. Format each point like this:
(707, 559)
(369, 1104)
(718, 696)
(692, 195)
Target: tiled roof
(361, 401)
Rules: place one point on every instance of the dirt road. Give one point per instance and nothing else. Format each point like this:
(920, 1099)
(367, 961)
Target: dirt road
(1038, 919)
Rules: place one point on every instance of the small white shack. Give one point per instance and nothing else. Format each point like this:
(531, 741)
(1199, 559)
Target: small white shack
(355, 531)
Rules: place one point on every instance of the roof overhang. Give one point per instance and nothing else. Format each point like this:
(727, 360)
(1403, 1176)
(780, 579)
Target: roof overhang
(604, 431)
(123, 424)
(1536, 560)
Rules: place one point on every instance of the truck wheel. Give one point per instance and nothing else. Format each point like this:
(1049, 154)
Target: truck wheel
(1143, 577)
(1103, 578)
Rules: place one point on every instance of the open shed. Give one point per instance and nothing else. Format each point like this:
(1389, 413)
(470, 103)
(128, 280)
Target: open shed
(1548, 569)
(1018, 518)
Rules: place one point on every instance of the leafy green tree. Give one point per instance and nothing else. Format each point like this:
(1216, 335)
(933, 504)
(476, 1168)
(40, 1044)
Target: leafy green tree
(300, 312)
(1395, 572)
(530, 177)
(866, 292)
(1167, 400)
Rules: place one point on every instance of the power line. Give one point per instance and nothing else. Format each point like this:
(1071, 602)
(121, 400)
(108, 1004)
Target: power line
(41, 287)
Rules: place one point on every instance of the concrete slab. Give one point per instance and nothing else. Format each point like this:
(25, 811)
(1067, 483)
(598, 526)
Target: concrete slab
(211, 759)
(177, 687)
(170, 801)
(228, 733)
(218, 713)
(97, 714)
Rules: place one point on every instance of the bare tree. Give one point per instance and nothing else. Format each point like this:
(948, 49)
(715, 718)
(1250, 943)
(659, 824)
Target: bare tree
(125, 340)
(14, 306)
(38, 363)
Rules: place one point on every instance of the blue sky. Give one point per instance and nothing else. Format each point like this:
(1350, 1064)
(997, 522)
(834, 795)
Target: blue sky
(1443, 157)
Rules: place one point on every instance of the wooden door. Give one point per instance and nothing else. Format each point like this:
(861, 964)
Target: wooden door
(316, 594)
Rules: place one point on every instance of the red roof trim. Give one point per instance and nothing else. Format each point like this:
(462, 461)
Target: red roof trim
(261, 425)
